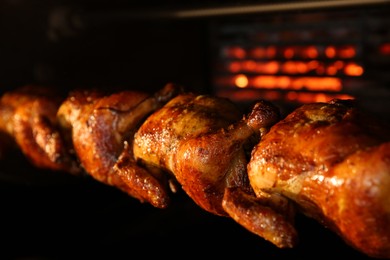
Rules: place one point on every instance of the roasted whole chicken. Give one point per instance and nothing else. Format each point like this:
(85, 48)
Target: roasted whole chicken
(328, 161)
(205, 143)
(28, 120)
(101, 127)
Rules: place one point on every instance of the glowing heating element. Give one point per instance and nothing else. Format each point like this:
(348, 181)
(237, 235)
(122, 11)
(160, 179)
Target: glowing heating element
(293, 73)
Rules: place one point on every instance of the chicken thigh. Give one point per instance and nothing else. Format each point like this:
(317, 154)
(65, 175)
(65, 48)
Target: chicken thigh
(332, 163)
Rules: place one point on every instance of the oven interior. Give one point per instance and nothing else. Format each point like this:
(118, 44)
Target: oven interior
(288, 52)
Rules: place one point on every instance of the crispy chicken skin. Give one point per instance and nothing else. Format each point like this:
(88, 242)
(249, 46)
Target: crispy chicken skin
(186, 116)
(101, 127)
(203, 142)
(329, 161)
(28, 117)
(333, 163)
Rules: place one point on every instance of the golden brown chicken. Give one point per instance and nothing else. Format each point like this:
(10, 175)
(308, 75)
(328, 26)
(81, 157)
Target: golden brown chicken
(328, 161)
(332, 163)
(204, 142)
(102, 127)
(28, 118)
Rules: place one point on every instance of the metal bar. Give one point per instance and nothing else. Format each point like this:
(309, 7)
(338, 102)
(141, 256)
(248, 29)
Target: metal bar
(261, 8)
(217, 11)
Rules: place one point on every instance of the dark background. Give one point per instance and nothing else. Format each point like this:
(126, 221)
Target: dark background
(52, 215)
(70, 44)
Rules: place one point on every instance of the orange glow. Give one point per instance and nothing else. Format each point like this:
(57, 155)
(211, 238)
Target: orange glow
(321, 97)
(300, 74)
(289, 53)
(305, 97)
(344, 52)
(271, 95)
(353, 69)
(385, 48)
(271, 52)
(331, 70)
(338, 64)
(258, 52)
(312, 65)
(241, 81)
(347, 52)
(311, 52)
(320, 70)
(235, 52)
(302, 67)
(249, 65)
(330, 51)
(264, 82)
(289, 67)
(285, 82)
(292, 95)
(271, 67)
(295, 67)
(326, 83)
(235, 66)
